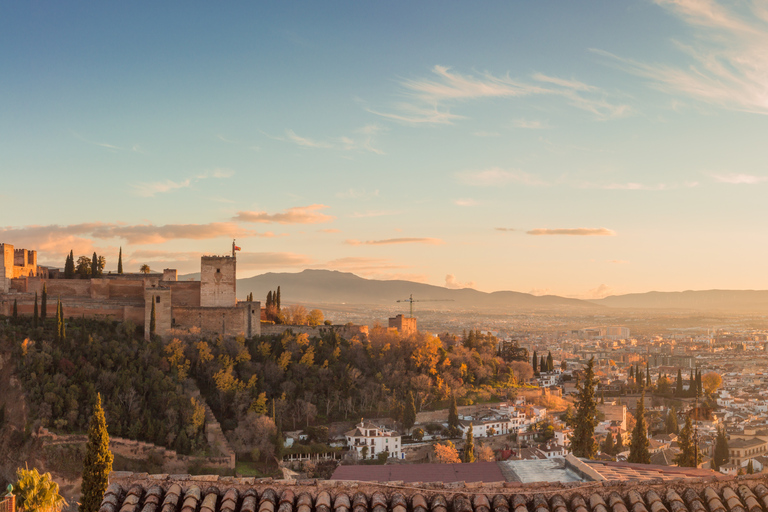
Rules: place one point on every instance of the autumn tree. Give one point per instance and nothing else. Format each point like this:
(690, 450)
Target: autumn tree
(315, 317)
(638, 447)
(83, 268)
(98, 461)
(484, 453)
(35, 492)
(583, 442)
(144, 269)
(711, 381)
(445, 453)
(469, 446)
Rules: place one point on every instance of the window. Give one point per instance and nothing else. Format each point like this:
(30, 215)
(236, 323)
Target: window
(218, 271)
(157, 299)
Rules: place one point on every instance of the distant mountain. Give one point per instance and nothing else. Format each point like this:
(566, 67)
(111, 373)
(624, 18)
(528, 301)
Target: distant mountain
(743, 301)
(334, 287)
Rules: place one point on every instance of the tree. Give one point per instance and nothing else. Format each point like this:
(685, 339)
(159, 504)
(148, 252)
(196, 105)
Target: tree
(445, 453)
(417, 434)
(277, 300)
(152, 319)
(69, 266)
(563, 365)
(15, 313)
(699, 388)
(550, 362)
(583, 442)
(608, 446)
(453, 417)
(619, 447)
(638, 447)
(98, 461)
(469, 446)
(83, 268)
(485, 454)
(632, 372)
(36, 314)
(315, 317)
(120, 261)
(670, 425)
(750, 468)
(35, 492)
(535, 364)
(721, 453)
(542, 365)
(144, 269)
(44, 303)
(688, 456)
(61, 329)
(711, 382)
(679, 383)
(94, 266)
(647, 376)
(409, 413)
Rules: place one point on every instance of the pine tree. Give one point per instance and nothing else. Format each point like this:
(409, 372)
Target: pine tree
(94, 266)
(671, 426)
(638, 447)
(608, 446)
(152, 319)
(583, 443)
(409, 413)
(550, 362)
(36, 314)
(469, 446)
(453, 416)
(688, 454)
(679, 384)
(44, 303)
(98, 461)
(120, 261)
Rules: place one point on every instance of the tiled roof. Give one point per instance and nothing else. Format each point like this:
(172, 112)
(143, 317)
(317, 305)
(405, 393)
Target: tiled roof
(162, 493)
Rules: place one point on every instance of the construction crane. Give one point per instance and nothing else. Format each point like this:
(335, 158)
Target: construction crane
(411, 300)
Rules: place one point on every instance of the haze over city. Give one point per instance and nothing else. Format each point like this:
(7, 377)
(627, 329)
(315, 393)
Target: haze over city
(554, 148)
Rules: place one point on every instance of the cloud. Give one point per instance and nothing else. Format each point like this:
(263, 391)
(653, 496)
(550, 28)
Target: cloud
(726, 63)
(361, 139)
(530, 125)
(739, 179)
(573, 232)
(306, 142)
(258, 260)
(357, 194)
(641, 186)
(540, 291)
(53, 236)
(599, 292)
(392, 241)
(452, 283)
(374, 213)
(330, 230)
(497, 176)
(505, 229)
(357, 264)
(428, 97)
(296, 215)
(101, 144)
(150, 189)
(465, 202)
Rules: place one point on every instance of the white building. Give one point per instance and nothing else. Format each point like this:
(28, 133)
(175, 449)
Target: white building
(376, 439)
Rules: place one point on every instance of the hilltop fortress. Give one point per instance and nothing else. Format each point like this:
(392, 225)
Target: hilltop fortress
(209, 305)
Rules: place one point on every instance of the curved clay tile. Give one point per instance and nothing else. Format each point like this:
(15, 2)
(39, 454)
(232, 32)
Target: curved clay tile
(304, 502)
(378, 502)
(461, 504)
(519, 503)
(229, 501)
(500, 503)
(359, 502)
(419, 503)
(171, 499)
(398, 503)
(250, 501)
(540, 503)
(323, 502)
(597, 503)
(676, 503)
(341, 503)
(749, 499)
(210, 501)
(438, 504)
(480, 503)
(616, 503)
(733, 500)
(714, 502)
(636, 503)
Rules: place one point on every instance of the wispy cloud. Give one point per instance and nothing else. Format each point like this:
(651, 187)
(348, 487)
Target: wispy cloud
(150, 189)
(505, 229)
(599, 292)
(391, 241)
(573, 231)
(356, 264)
(727, 63)
(641, 186)
(429, 99)
(497, 176)
(330, 231)
(306, 142)
(452, 283)
(296, 215)
(740, 179)
(354, 193)
(374, 213)
(361, 139)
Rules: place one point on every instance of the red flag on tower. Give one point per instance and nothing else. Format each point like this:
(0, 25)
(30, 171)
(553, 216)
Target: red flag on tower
(237, 248)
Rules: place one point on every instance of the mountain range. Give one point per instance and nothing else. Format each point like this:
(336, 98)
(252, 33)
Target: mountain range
(335, 287)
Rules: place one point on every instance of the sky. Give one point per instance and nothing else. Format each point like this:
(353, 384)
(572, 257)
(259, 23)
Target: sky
(573, 148)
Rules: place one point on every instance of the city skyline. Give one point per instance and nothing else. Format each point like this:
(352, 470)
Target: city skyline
(548, 148)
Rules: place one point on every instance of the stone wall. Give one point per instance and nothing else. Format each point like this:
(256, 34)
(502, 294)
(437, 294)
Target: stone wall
(218, 281)
(185, 293)
(161, 299)
(346, 332)
(228, 321)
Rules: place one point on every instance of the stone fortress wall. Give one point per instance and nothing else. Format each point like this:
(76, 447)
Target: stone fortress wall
(209, 305)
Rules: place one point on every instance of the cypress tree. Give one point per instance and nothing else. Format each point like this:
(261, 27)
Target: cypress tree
(722, 452)
(608, 446)
(98, 461)
(583, 443)
(60, 326)
(619, 447)
(671, 424)
(691, 384)
(632, 372)
(542, 364)
(69, 266)
(94, 265)
(750, 468)
(44, 303)
(679, 386)
(277, 300)
(638, 447)
(409, 413)
(120, 261)
(36, 314)
(469, 446)
(453, 416)
(687, 456)
(535, 363)
(699, 389)
(152, 319)
(15, 314)
(639, 376)
(550, 362)
(647, 376)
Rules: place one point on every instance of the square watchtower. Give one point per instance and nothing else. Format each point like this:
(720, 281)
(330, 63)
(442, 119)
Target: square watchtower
(218, 281)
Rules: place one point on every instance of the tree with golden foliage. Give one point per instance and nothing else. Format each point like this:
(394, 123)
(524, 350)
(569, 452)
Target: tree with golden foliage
(37, 492)
(485, 454)
(446, 453)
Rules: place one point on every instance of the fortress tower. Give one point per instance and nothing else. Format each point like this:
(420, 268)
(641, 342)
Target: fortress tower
(218, 281)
